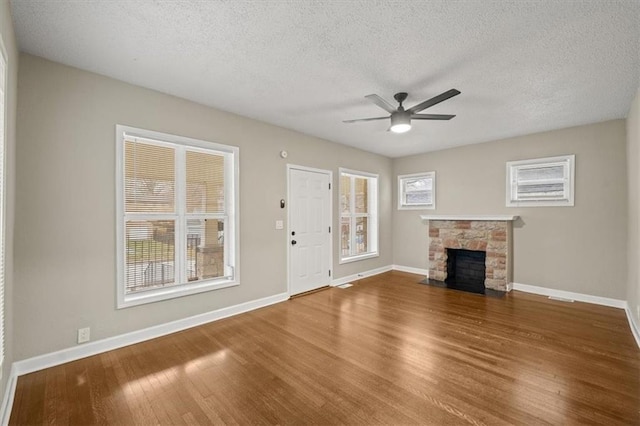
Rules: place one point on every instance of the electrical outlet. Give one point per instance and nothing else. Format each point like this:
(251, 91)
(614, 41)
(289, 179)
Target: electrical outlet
(84, 335)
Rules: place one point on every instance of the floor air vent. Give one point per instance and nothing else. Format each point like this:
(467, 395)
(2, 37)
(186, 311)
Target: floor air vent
(561, 299)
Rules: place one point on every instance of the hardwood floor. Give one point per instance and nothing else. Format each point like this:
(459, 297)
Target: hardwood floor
(385, 351)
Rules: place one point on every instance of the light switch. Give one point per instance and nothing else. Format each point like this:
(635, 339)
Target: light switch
(279, 224)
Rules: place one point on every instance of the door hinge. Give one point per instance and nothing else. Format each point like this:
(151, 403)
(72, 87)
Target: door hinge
(329, 272)
(329, 185)
(329, 229)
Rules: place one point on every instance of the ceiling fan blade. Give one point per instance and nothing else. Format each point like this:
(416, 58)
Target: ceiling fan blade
(431, 117)
(433, 101)
(365, 119)
(381, 103)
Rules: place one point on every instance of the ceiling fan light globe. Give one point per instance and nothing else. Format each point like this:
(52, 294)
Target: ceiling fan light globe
(400, 122)
(400, 128)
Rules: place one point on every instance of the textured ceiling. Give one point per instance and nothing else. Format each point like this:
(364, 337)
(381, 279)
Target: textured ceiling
(522, 66)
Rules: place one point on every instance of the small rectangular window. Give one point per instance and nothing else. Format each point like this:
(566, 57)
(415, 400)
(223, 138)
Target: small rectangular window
(177, 216)
(358, 215)
(417, 191)
(541, 182)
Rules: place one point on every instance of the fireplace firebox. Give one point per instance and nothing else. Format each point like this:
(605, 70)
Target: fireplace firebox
(466, 270)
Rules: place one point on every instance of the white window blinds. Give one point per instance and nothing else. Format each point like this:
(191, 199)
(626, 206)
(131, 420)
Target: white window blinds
(358, 215)
(417, 191)
(178, 216)
(541, 182)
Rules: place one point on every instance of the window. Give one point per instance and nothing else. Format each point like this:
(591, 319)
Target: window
(3, 141)
(358, 215)
(541, 182)
(417, 191)
(177, 216)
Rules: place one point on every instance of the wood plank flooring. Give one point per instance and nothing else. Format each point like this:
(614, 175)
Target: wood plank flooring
(386, 351)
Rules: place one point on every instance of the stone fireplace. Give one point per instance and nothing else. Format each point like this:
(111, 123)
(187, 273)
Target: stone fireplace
(491, 235)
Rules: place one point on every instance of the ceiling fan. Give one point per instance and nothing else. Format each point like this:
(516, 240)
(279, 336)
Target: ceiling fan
(401, 118)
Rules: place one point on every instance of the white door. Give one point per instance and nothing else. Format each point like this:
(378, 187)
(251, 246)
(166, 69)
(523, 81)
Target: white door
(309, 229)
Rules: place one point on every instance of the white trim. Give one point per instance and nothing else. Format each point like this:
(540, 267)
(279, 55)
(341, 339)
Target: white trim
(356, 173)
(358, 257)
(3, 198)
(579, 297)
(373, 243)
(411, 270)
(432, 206)
(9, 394)
(40, 362)
(288, 235)
(232, 245)
(505, 218)
(377, 271)
(360, 275)
(569, 180)
(154, 137)
(175, 291)
(635, 329)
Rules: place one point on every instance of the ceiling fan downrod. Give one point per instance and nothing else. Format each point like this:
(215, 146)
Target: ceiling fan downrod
(400, 97)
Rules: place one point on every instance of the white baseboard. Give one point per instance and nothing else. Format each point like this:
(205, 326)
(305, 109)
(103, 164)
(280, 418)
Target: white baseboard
(9, 393)
(587, 298)
(360, 275)
(71, 354)
(635, 329)
(376, 271)
(578, 297)
(411, 270)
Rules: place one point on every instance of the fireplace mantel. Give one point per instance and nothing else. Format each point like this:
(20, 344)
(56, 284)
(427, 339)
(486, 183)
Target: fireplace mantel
(505, 218)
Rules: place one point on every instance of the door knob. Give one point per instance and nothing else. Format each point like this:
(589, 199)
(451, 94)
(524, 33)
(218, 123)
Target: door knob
(294, 242)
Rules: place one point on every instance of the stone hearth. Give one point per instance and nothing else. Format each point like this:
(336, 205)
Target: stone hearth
(491, 236)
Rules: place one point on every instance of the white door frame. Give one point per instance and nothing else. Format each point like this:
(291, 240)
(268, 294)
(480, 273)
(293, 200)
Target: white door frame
(288, 235)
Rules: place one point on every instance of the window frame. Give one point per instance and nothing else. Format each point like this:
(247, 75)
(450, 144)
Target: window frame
(181, 145)
(372, 208)
(567, 161)
(401, 191)
(4, 58)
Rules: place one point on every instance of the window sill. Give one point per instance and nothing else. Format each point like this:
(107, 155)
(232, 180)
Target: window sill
(173, 292)
(546, 203)
(420, 207)
(358, 257)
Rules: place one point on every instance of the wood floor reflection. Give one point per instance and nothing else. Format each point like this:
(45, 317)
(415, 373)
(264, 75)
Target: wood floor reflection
(386, 351)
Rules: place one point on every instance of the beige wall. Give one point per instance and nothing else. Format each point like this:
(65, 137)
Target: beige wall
(633, 167)
(580, 249)
(65, 226)
(6, 31)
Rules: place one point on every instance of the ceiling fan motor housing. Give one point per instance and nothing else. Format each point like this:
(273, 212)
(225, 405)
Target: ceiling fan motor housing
(400, 117)
(400, 121)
